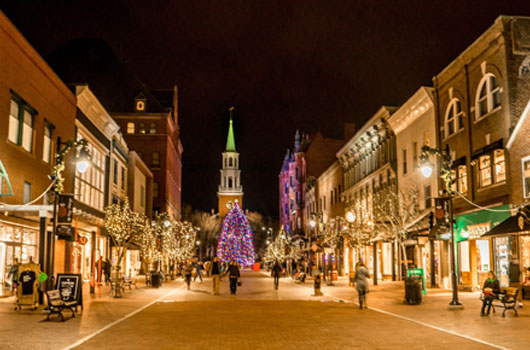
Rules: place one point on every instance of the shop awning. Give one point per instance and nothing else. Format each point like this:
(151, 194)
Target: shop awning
(516, 224)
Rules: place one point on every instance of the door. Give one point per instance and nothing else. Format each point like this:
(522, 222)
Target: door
(10, 252)
(483, 261)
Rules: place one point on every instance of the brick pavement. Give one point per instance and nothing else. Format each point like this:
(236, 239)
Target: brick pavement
(259, 317)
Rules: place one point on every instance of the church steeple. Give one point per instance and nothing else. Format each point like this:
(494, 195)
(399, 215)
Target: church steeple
(230, 188)
(230, 141)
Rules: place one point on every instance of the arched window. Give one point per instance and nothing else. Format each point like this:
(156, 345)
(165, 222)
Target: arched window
(230, 182)
(155, 189)
(130, 128)
(488, 95)
(454, 118)
(230, 161)
(152, 128)
(156, 160)
(141, 128)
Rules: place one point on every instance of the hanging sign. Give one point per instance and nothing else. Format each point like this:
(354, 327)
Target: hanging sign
(65, 209)
(82, 240)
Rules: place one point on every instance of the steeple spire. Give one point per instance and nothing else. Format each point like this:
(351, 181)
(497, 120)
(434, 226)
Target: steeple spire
(230, 141)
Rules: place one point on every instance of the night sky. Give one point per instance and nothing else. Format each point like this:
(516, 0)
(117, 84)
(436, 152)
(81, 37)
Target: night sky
(284, 65)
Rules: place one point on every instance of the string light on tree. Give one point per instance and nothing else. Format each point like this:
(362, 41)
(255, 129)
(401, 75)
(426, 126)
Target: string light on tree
(236, 240)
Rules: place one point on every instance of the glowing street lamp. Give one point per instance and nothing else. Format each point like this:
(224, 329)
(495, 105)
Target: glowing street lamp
(83, 161)
(312, 223)
(350, 216)
(426, 168)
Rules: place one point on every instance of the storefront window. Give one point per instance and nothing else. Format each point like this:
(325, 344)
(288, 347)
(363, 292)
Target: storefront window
(502, 260)
(524, 244)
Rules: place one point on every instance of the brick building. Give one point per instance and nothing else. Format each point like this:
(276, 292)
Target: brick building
(148, 119)
(36, 108)
(309, 158)
(480, 98)
(368, 163)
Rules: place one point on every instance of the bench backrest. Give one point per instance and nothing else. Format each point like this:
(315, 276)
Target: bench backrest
(54, 297)
(511, 294)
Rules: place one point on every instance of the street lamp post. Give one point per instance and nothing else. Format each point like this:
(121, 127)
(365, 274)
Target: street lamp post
(82, 163)
(447, 177)
(316, 271)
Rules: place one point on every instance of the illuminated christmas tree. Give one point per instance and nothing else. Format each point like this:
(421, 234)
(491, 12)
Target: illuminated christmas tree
(235, 242)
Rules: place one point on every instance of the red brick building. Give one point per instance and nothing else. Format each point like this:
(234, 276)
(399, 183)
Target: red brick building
(148, 119)
(36, 108)
(309, 159)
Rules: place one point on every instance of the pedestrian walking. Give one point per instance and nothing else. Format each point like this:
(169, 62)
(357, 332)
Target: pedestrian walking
(198, 271)
(215, 272)
(107, 269)
(490, 291)
(13, 274)
(293, 268)
(361, 283)
(233, 276)
(187, 273)
(276, 273)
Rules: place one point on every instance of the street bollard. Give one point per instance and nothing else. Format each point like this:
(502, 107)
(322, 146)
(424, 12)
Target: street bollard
(317, 283)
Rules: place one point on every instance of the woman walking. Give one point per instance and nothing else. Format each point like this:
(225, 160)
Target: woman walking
(361, 283)
(187, 273)
(233, 275)
(13, 274)
(490, 291)
(276, 272)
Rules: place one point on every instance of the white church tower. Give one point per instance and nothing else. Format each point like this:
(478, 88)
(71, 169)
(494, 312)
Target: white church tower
(230, 189)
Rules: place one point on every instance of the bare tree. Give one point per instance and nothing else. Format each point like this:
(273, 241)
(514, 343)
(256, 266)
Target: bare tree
(397, 217)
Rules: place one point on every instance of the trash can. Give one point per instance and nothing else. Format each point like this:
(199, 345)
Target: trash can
(155, 279)
(413, 288)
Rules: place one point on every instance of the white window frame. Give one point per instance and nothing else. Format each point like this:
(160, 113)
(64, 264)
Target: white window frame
(489, 96)
(454, 120)
(47, 143)
(524, 160)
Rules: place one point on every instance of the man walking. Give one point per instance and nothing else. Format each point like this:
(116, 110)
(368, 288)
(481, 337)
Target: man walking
(215, 271)
(276, 272)
(198, 269)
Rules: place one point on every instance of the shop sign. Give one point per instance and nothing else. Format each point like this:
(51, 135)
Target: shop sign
(70, 287)
(410, 242)
(82, 240)
(65, 209)
(65, 230)
(476, 231)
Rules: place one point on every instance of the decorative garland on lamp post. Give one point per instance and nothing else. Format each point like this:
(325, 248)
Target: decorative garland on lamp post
(446, 173)
(59, 167)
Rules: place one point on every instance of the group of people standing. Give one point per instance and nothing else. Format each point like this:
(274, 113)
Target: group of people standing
(217, 270)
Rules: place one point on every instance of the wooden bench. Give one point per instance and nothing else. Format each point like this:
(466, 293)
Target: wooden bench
(56, 304)
(129, 282)
(507, 300)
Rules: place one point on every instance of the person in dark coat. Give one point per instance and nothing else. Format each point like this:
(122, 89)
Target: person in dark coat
(233, 275)
(107, 269)
(13, 274)
(276, 273)
(187, 273)
(361, 283)
(215, 272)
(490, 292)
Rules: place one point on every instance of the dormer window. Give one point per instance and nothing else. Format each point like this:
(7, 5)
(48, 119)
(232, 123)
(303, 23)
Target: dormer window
(139, 102)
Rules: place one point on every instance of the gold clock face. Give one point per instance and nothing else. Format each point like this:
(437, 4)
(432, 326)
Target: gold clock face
(229, 204)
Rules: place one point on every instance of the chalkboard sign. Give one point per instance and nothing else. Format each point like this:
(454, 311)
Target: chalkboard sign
(71, 287)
